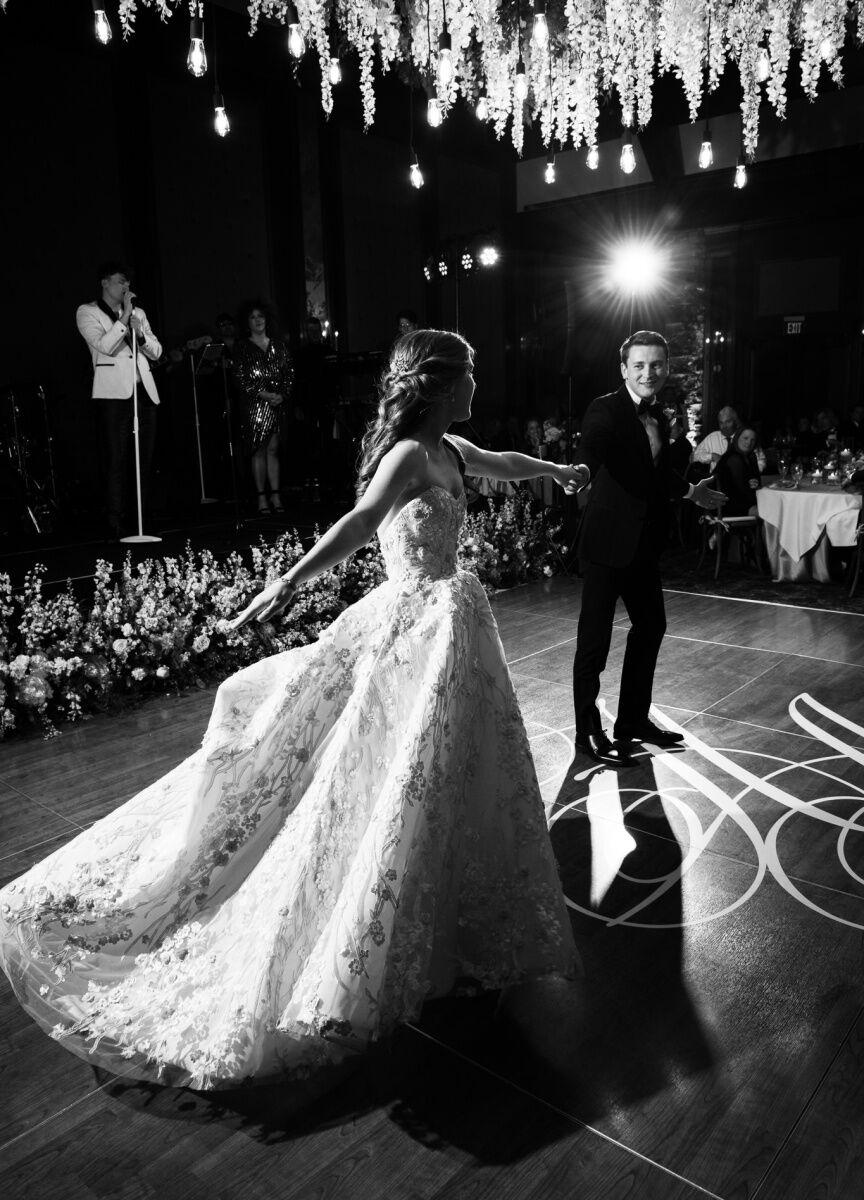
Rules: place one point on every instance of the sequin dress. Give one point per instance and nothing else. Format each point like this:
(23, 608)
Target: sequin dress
(360, 830)
(257, 370)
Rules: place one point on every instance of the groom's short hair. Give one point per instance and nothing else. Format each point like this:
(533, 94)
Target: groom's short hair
(643, 337)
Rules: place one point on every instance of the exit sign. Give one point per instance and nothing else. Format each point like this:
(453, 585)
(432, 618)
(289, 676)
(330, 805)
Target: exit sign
(793, 325)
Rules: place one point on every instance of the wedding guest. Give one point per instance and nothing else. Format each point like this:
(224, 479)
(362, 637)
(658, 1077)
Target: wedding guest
(226, 333)
(264, 373)
(737, 474)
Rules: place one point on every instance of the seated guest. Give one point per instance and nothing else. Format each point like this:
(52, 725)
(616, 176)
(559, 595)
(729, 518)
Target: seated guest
(825, 437)
(854, 430)
(710, 449)
(737, 475)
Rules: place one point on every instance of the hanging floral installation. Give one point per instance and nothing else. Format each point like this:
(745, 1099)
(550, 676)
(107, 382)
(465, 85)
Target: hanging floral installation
(552, 62)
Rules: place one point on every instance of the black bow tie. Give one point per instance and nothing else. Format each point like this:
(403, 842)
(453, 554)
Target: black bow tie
(645, 406)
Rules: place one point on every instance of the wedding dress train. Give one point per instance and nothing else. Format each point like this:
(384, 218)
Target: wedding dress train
(360, 830)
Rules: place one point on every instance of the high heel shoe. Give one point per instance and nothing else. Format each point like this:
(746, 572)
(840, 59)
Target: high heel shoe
(263, 506)
(276, 504)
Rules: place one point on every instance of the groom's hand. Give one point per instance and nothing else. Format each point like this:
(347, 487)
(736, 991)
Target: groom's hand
(573, 479)
(705, 496)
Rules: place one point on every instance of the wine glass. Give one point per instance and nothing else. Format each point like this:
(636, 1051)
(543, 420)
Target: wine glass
(797, 472)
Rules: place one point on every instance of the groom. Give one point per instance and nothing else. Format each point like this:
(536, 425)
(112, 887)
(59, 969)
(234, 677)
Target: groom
(625, 445)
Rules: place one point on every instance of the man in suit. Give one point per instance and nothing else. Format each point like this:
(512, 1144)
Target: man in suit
(625, 445)
(107, 326)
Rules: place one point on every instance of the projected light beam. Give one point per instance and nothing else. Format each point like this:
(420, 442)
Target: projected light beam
(636, 268)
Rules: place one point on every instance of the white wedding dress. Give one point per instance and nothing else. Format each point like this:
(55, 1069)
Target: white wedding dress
(361, 830)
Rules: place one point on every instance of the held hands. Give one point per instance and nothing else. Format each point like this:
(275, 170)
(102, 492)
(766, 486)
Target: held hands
(269, 603)
(705, 496)
(573, 479)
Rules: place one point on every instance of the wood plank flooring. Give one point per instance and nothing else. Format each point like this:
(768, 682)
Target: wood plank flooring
(717, 896)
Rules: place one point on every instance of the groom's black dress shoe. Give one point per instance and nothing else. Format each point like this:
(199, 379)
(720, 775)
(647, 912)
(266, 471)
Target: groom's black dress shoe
(598, 746)
(647, 731)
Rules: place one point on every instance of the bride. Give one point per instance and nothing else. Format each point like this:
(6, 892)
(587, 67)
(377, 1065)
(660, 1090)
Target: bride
(361, 828)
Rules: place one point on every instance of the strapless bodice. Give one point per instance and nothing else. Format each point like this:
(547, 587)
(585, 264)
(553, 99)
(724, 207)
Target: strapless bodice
(421, 540)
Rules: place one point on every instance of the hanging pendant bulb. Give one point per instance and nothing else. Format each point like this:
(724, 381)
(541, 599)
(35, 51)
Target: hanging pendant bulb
(628, 156)
(101, 23)
(549, 174)
(296, 43)
(826, 50)
(706, 150)
(335, 71)
(196, 59)
(592, 158)
(220, 122)
(482, 109)
(415, 174)
(433, 112)
(763, 65)
(540, 27)
(445, 61)
(520, 84)
(740, 174)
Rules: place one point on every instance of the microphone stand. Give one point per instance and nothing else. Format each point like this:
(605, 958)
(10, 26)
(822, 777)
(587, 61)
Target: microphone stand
(228, 416)
(140, 536)
(205, 499)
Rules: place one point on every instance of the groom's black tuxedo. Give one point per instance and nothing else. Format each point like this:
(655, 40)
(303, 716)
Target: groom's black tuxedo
(624, 529)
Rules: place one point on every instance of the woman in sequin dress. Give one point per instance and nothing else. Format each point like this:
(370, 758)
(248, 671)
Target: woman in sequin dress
(361, 829)
(265, 375)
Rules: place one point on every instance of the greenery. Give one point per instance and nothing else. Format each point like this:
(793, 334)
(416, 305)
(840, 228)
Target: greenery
(160, 625)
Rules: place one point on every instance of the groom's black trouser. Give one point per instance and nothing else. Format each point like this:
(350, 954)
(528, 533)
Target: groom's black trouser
(641, 591)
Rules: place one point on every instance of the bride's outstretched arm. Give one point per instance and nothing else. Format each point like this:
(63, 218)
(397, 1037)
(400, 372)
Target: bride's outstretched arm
(510, 465)
(399, 470)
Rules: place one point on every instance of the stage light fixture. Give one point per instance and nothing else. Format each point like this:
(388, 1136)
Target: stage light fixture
(540, 27)
(636, 266)
(442, 267)
(101, 23)
(592, 158)
(196, 59)
(467, 261)
(427, 271)
(220, 122)
(488, 256)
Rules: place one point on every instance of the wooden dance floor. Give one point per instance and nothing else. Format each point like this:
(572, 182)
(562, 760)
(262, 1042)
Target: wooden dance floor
(717, 896)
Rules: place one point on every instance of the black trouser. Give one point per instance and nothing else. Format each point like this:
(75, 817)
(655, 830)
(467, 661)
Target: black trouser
(639, 587)
(117, 424)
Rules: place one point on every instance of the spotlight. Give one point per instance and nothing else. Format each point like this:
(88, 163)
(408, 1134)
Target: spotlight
(101, 23)
(540, 28)
(706, 151)
(592, 158)
(467, 261)
(220, 123)
(427, 271)
(196, 59)
(549, 174)
(487, 256)
(636, 266)
(442, 267)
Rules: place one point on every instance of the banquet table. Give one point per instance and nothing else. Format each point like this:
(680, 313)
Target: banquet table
(800, 523)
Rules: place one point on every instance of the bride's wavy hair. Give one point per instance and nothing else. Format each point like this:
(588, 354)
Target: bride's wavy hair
(423, 368)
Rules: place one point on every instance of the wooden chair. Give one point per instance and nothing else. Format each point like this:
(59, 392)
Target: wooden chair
(746, 530)
(857, 557)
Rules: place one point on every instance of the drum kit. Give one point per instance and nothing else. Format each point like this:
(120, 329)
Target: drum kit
(28, 486)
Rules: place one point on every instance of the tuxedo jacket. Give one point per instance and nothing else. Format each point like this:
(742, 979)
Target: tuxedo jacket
(113, 372)
(629, 489)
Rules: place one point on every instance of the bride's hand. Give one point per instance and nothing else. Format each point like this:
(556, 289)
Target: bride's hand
(573, 479)
(269, 603)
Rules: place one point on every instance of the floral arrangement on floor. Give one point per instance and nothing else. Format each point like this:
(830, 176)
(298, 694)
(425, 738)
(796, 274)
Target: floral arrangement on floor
(158, 625)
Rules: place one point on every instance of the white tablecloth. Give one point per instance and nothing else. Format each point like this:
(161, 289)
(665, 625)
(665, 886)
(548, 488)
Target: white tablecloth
(801, 522)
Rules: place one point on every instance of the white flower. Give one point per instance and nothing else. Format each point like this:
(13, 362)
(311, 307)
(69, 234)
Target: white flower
(127, 630)
(201, 643)
(139, 673)
(120, 646)
(162, 672)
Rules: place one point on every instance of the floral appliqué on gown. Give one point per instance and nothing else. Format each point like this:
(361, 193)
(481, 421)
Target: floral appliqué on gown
(360, 830)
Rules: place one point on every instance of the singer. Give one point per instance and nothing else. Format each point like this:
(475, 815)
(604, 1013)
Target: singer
(107, 325)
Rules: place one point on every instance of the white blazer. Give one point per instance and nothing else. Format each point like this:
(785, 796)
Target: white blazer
(112, 356)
